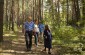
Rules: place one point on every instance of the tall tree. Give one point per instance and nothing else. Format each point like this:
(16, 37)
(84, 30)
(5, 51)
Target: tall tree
(1, 19)
(83, 11)
(33, 8)
(39, 9)
(18, 19)
(23, 10)
(74, 14)
(67, 11)
(12, 17)
(58, 10)
(77, 10)
(6, 20)
(42, 10)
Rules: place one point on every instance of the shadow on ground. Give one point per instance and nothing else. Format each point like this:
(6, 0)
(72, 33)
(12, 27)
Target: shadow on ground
(17, 47)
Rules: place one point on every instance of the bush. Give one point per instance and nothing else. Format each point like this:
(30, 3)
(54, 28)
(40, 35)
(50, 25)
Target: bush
(66, 34)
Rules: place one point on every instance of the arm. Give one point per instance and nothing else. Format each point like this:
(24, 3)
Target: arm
(33, 28)
(49, 34)
(45, 34)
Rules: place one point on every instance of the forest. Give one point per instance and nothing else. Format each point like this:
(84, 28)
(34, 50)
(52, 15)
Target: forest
(66, 19)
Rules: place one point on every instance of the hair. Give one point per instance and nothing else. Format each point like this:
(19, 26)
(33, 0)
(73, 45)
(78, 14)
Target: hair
(29, 18)
(35, 20)
(46, 27)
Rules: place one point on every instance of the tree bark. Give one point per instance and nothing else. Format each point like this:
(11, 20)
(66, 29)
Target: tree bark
(6, 20)
(83, 9)
(67, 11)
(39, 10)
(58, 12)
(75, 13)
(1, 19)
(33, 10)
(42, 11)
(12, 15)
(18, 19)
(23, 11)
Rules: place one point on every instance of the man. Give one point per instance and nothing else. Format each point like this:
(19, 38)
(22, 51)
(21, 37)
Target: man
(28, 30)
(41, 29)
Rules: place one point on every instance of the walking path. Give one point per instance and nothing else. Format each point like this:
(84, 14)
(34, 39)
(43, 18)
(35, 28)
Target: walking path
(17, 47)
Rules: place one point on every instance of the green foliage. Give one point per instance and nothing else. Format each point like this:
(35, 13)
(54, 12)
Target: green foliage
(66, 34)
(62, 33)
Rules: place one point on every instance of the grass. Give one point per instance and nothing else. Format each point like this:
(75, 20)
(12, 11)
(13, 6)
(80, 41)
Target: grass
(10, 35)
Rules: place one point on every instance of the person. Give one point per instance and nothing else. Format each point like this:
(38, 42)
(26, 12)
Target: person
(41, 29)
(36, 30)
(47, 39)
(28, 30)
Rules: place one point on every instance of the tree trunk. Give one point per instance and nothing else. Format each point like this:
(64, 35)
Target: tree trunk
(33, 9)
(39, 10)
(75, 12)
(83, 12)
(12, 15)
(23, 11)
(52, 10)
(35, 16)
(6, 20)
(42, 11)
(83, 9)
(67, 11)
(18, 19)
(58, 13)
(1, 19)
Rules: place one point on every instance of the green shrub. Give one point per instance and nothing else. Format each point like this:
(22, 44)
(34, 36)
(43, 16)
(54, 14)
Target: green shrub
(66, 34)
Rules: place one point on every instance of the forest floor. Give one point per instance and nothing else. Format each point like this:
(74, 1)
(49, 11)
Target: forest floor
(17, 46)
(11, 46)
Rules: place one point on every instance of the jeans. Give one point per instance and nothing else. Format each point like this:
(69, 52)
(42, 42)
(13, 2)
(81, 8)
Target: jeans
(36, 38)
(28, 39)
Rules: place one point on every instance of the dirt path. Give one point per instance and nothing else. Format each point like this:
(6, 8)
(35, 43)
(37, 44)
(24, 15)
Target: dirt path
(17, 47)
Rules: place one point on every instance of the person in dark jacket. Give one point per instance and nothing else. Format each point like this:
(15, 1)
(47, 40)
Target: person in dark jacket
(47, 39)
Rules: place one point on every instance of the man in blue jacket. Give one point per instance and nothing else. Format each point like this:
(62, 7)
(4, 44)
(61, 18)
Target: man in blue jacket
(28, 30)
(41, 29)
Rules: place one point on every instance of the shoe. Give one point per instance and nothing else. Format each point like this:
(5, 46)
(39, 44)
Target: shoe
(29, 49)
(49, 52)
(37, 46)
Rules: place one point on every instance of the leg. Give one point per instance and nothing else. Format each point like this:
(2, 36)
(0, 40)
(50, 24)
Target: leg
(44, 49)
(30, 40)
(26, 40)
(49, 51)
(41, 37)
(36, 39)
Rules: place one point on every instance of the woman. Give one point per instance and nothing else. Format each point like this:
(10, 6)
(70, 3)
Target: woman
(36, 30)
(47, 39)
